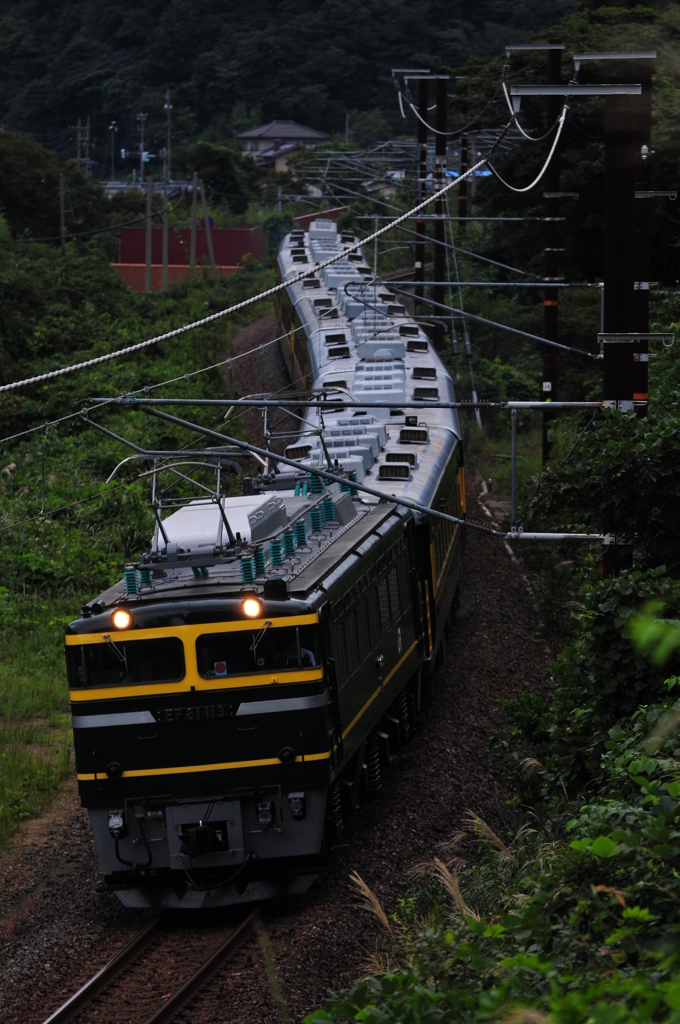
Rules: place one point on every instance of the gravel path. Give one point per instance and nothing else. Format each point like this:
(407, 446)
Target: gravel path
(57, 930)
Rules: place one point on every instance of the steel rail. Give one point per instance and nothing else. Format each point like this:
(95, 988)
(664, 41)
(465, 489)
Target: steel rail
(186, 991)
(110, 971)
(105, 976)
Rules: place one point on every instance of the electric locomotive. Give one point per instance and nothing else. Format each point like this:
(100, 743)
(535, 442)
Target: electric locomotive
(237, 694)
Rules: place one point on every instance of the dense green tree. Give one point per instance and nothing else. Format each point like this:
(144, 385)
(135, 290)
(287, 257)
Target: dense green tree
(230, 65)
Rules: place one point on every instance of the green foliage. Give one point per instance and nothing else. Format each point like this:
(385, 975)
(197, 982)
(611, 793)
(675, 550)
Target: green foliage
(230, 65)
(633, 486)
(586, 929)
(225, 172)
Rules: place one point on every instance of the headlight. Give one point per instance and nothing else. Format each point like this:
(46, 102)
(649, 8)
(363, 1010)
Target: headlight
(121, 618)
(252, 608)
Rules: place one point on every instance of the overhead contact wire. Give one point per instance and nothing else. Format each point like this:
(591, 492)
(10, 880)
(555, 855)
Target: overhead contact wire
(534, 183)
(128, 350)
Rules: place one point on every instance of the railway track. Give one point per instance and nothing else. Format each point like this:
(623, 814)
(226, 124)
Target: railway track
(140, 983)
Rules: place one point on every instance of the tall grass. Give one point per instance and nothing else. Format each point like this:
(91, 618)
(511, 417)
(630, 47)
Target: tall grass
(35, 730)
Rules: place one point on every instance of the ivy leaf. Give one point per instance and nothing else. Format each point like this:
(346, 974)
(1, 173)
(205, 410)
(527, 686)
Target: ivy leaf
(603, 846)
(580, 845)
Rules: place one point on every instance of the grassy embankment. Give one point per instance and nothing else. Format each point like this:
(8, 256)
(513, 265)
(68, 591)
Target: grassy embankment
(54, 313)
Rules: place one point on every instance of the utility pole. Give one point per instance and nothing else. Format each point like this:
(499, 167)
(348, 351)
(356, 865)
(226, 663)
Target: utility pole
(168, 107)
(552, 256)
(113, 128)
(463, 166)
(421, 225)
(208, 235)
(149, 195)
(627, 128)
(141, 118)
(87, 148)
(165, 242)
(439, 210)
(192, 246)
(78, 131)
(552, 249)
(62, 216)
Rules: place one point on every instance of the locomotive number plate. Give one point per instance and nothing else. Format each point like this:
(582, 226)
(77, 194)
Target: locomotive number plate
(195, 713)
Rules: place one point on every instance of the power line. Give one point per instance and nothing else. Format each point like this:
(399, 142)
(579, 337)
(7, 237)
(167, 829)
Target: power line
(152, 387)
(535, 182)
(98, 360)
(531, 138)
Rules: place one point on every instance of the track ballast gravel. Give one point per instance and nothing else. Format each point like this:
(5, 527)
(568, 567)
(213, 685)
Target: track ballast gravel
(57, 930)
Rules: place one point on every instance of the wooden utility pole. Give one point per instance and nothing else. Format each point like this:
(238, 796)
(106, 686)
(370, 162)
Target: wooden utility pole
(149, 196)
(87, 148)
(62, 216)
(627, 127)
(192, 246)
(168, 107)
(463, 165)
(552, 255)
(208, 235)
(439, 207)
(165, 241)
(421, 226)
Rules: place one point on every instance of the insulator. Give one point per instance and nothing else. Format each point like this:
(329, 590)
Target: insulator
(454, 341)
(130, 577)
(297, 490)
(145, 575)
(468, 346)
(301, 532)
(247, 572)
(305, 489)
(328, 508)
(315, 520)
(259, 562)
(276, 553)
(373, 779)
(505, 71)
(353, 491)
(315, 484)
(289, 543)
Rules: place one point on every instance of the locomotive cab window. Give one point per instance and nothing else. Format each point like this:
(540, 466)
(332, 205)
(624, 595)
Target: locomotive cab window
(125, 662)
(257, 650)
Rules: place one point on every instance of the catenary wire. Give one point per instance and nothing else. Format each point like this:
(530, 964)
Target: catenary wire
(457, 131)
(98, 360)
(151, 387)
(531, 138)
(534, 183)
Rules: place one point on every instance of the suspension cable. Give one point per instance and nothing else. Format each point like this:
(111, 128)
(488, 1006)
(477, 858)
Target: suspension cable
(531, 138)
(98, 360)
(535, 182)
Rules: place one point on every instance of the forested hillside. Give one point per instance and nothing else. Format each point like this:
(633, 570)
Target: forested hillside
(231, 65)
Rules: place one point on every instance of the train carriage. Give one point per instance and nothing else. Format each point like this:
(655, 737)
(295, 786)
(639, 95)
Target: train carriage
(239, 692)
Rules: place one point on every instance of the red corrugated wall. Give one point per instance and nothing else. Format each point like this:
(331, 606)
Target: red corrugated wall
(229, 244)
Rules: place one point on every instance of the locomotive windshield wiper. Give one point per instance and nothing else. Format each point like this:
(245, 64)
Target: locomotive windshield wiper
(120, 654)
(256, 640)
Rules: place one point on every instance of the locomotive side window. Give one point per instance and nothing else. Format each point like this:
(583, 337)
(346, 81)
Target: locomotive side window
(364, 637)
(383, 607)
(394, 596)
(125, 663)
(339, 651)
(373, 620)
(247, 651)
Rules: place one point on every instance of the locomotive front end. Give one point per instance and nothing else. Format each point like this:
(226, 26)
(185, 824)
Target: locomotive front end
(202, 740)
